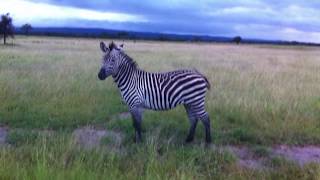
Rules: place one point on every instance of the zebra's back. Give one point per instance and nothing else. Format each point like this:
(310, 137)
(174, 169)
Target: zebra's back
(163, 91)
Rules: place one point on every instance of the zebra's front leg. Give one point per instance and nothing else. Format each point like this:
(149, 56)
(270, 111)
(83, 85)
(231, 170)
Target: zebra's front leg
(136, 114)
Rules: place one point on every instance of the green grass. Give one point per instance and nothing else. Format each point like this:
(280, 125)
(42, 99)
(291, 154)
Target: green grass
(260, 96)
(19, 137)
(58, 157)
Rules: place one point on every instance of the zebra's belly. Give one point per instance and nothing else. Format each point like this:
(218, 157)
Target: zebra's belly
(158, 106)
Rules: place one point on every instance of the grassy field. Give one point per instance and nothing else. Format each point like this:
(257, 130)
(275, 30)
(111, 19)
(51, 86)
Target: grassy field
(261, 95)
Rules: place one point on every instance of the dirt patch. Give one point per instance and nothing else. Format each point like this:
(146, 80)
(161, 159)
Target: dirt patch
(89, 137)
(248, 158)
(3, 135)
(301, 155)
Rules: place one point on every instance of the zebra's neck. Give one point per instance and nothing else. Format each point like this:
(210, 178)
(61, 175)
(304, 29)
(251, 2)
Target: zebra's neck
(125, 75)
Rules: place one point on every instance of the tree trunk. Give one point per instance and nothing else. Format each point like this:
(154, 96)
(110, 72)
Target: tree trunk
(4, 38)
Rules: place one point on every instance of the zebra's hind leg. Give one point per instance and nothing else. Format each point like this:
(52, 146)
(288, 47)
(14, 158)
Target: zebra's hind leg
(206, 122)
(193, 124)
(136, 114)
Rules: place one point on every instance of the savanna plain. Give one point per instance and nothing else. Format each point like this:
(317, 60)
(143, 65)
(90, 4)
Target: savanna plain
(261, 96)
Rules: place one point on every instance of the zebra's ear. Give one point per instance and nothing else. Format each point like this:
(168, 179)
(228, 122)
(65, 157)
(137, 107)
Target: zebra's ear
(120, 47)
(103, 47)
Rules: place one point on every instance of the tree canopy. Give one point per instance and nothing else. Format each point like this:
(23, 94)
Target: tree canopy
(26, 28)
(237, 39)
(6, 27)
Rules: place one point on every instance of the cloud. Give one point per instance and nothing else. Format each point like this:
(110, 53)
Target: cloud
(271, 32)
(300, 14)
(300, 22)
(292, 34)
(38, 13)
(291, 14)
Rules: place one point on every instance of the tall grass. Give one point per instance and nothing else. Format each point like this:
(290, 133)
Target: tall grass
(59, 158)
(260, 94)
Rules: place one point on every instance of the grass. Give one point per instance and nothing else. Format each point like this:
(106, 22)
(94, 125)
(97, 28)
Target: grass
(58, 157)
(261, 95)
(48, 160)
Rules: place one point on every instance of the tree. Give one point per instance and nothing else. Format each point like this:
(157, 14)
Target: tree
(237, 39)
(6, 27)
(123, 34)
(26, 28)
(161, 37)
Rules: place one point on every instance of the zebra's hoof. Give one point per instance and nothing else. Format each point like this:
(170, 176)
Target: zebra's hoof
(189, 140)
(137, 140)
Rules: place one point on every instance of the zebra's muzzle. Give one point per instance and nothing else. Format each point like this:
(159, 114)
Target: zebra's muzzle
(102, 74)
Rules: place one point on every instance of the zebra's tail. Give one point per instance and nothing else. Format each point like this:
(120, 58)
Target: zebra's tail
(205, 78)
(208, 83)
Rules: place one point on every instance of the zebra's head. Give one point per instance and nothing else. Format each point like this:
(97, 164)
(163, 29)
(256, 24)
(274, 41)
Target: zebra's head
(110, 61)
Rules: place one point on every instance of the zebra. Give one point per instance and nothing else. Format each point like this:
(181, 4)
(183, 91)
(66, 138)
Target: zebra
(142, 90)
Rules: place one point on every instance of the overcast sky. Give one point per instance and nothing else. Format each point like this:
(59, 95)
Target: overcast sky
(265, 19)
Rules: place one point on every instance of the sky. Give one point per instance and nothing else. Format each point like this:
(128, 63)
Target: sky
(292, 20)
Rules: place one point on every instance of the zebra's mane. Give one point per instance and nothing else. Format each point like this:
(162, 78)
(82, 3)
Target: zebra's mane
(126, 58)
(129, 60)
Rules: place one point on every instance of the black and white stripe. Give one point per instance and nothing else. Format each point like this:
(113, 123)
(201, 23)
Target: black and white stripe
(158, 91)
